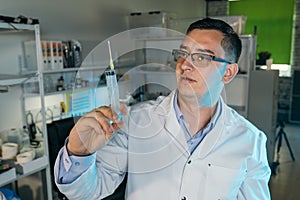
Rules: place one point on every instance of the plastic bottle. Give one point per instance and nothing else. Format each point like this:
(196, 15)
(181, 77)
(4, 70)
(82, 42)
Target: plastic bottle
(60, 84)
(13, 136)
(25, 141)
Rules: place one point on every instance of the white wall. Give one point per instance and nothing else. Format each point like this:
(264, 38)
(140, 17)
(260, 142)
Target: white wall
(93, 20)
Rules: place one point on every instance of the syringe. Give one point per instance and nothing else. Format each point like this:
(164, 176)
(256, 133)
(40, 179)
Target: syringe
(112, 86)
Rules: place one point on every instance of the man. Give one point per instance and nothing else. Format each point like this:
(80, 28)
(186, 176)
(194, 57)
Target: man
(188, 145)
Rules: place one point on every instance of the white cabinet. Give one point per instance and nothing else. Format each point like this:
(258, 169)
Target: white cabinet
(236, 93)
(16, 102)
(263, 104)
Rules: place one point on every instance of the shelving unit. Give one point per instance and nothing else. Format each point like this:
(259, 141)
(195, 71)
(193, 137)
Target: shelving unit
(71, 75)
(87, 68)
(17, 76)
(77, 81)
(24, 170)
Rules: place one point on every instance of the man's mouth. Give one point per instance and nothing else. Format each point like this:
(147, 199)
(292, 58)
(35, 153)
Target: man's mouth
(187, 79)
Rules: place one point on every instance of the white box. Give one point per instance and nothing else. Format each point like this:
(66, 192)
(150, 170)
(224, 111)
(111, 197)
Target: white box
(56, 55)
(44, 54)
(48, 55)
(30, 55)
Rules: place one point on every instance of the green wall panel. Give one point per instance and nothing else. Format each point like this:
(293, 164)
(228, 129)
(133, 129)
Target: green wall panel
(274, 22)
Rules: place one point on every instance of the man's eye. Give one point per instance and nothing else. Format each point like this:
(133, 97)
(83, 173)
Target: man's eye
(203, 58)
(200, 58)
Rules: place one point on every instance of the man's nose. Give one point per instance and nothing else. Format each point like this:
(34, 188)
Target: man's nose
(187, 64)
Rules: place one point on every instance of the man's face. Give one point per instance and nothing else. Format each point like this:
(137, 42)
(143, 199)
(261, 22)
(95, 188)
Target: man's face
(203, 82)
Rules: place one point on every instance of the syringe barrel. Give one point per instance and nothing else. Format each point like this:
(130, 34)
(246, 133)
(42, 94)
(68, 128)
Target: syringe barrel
(113, 90)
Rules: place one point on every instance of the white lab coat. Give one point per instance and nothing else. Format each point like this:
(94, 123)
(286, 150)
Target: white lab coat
(230, 163)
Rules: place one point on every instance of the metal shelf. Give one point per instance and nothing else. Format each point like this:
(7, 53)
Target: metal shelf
(23, 170)
(12, 27)
(9, 79)
(84, 68)
(8, 177)
(40, 164)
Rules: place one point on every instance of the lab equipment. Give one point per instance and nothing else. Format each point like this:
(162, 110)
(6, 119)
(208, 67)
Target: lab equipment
(112, 86)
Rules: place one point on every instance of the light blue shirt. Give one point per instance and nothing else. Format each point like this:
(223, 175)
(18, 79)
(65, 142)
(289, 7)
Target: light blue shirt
(72, 166)
(193, 141)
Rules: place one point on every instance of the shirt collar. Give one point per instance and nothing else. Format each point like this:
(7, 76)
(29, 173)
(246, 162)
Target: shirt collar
(179, 114)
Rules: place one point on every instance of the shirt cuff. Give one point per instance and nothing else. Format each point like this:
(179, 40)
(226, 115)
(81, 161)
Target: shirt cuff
(74, 166)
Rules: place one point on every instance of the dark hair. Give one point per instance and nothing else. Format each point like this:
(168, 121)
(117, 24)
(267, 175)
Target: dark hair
(231, 42)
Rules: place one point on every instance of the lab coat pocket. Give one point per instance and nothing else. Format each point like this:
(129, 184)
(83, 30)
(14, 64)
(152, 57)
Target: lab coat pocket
(223, 182)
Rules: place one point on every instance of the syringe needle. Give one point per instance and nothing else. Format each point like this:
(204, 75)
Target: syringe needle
(111, 63)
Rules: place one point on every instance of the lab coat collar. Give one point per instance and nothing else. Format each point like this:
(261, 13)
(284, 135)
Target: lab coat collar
(175, 130)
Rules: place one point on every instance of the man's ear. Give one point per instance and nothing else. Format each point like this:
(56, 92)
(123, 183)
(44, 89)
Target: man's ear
(231, 71)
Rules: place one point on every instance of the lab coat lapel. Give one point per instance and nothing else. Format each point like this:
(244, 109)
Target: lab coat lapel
(172, 126)
(212, 138)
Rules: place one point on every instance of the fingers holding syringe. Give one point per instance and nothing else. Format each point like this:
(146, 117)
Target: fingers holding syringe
(93, 129)
(117, 118)
(109, 119)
